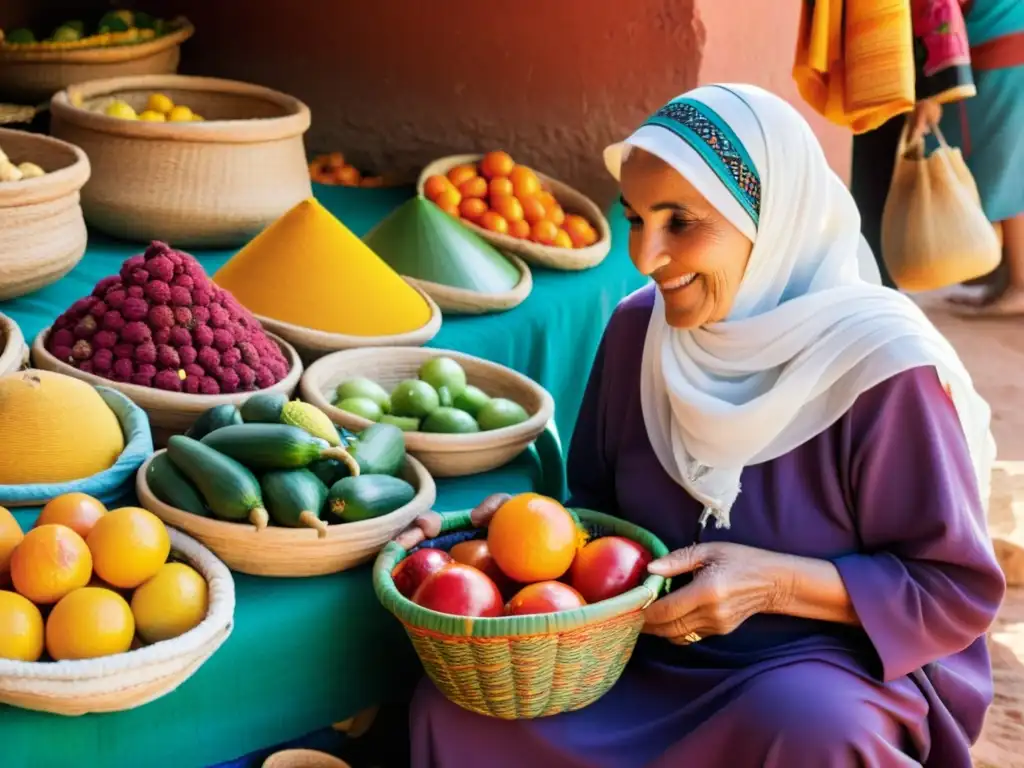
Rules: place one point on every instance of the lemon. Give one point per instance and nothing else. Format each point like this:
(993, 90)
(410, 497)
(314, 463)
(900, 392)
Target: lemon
(159, 102)
(197, 118)
(21, 628)
(121, 109)
(180, 114)
(152, 116)
(88, 623)
(170, 604)
(128, 546)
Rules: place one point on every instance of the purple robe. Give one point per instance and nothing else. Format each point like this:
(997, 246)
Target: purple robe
(887, 494)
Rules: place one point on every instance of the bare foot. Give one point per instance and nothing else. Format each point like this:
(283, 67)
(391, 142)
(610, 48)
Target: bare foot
(1008, 303)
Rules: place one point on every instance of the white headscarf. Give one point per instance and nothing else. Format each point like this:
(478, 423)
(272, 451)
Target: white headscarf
(811, 328)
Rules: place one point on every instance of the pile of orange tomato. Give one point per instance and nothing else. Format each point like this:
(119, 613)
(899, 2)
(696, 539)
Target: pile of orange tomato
(535, 559)
(332, 169)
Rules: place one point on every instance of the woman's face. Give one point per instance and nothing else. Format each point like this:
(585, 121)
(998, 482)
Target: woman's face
(695, 255)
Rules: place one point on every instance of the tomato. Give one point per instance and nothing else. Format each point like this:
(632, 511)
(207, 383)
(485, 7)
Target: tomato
(460, 590)
(475, 552)
(544, 597)
(607, 567)
(413, 571)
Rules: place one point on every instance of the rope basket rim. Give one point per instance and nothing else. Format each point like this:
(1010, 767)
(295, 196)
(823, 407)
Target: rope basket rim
(52, 184)
(12, 353)
(99, 54)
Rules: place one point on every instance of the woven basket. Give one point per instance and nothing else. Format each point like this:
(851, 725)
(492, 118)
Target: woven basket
(13, 351)
(170, 413)
(214, 183)
(443, 455)
(569, 259)
(312, 344)
(33, 76)
(42, 232)
(128, 680)
(460, 301)
(520, 667)
(295, 552)
(303, 758)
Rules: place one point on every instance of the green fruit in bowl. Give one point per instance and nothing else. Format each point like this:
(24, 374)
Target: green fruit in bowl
(500, 413)
(66, 34)
(361, 406)
(404, 423)
(20, 36)
(471, 400)
(450, 421)
(366, 389)
(415, 398)
(443, 372)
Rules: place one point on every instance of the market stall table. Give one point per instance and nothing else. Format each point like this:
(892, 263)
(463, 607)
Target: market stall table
(308, 652)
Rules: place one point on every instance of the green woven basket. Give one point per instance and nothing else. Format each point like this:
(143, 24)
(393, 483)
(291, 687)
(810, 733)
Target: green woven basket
(520, 667)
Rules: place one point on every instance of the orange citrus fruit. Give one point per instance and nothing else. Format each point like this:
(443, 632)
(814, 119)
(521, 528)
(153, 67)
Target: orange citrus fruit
(495, 164)
(562, 239)
(451, 210)
(546, 199)
(461, 173)
(544, 232)
(89, 623)
(170, 604)
(474, 187)
(509, 208)
(10, 537)
(500, 186)
(494, 222)
(434, 186)
(524, 182)
(520, 229)
(449, 198)
(128, 546)
(555, 214)
(578, 229)
(533, 209)
(348, 176)
(50, 562)
(78, 511)
(472, 208)
(532, 538)
(21, 628)
(335, 160)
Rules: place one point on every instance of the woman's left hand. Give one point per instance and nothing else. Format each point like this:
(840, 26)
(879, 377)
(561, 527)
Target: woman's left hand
(731, 583)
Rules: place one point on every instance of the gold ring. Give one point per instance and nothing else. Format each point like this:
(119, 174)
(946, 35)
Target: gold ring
(692, 637)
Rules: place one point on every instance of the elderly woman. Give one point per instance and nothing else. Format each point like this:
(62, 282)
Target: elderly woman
(811, 449)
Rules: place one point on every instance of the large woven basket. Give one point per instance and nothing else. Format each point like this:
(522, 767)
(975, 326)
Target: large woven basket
(292, 552)
(13, 351)
(214, 183)
(33, 76)
(42, 232)
(520, 667)
(570, 259)
(170, 413)
(128, 680)
(443, 455)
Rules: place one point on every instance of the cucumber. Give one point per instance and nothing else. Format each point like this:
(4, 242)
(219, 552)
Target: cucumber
(380, 450)
(231, 491)
(329, 471)
(172, 487)
(367, 496)
(263, 447)
(264, 408)
(213, 418)
(294, 499)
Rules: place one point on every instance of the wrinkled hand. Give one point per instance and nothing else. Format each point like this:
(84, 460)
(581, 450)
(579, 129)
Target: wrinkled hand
(926, 114)
(731, 583)
(428, 525)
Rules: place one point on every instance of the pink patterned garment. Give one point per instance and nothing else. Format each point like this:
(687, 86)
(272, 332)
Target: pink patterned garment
(939, 25)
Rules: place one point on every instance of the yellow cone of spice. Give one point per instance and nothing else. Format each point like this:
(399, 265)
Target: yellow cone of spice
(309, 270)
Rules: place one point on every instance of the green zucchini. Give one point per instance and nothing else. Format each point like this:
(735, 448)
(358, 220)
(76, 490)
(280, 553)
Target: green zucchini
(231, 491)
(169, 485)
(329, 471)
(367, 496)
(294, 499)
(264, 408)
(380, 450)
(213, 418)
(263, 447)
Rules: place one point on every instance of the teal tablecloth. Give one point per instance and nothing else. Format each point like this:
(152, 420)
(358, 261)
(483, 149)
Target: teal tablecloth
(309, 652)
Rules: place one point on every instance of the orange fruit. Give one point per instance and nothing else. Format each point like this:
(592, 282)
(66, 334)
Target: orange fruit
(562, 239)
(461, 173)
(21, 628)
(532, 538)
(434, 186)
(170, 604)
(348, 176)
(472, 208)
(533, 209)
(89, 623)
(10, 537)
(524, 181)
(546, 199)
(494, 222)
(520, 229)
(509, 207)
(128, 546)
(334, 160)
(50, 562)
(451, 210)
(474, 187)
(449, 198)
(499, 186)
(544, 232)
(578, 229)
(555, 214)
(78, 511)
(495, 164)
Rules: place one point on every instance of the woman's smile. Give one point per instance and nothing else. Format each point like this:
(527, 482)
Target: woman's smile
(676, 284)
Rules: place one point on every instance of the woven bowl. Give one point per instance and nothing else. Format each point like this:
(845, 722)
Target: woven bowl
(569, 259)
(42, 232)
(312, 344)
(32, 76)
(521, 667)
(443, 455)
(13, 351)
(215, 183)
(170, 413)
(292, 552)
(128, 680)
(303, 758)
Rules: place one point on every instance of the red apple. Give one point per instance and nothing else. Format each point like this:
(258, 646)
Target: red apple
(607, 567)
(475, 552)
(460, 590)
(544, 597)
(413, 571)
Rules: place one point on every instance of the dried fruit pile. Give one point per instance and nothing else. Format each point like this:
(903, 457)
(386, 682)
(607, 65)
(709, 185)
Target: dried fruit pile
(161, 322)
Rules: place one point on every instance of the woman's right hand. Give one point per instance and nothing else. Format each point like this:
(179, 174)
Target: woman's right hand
(428, 525)
(926, 114)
